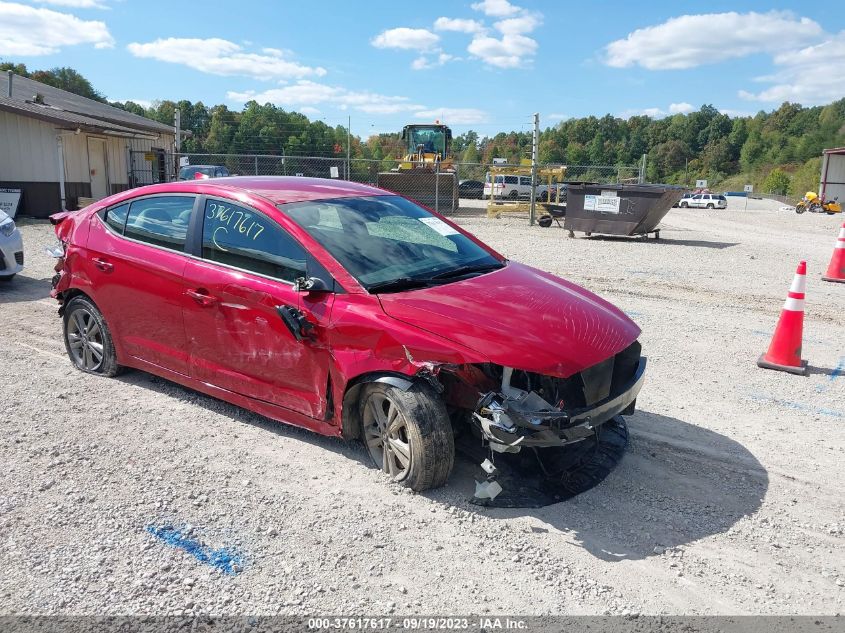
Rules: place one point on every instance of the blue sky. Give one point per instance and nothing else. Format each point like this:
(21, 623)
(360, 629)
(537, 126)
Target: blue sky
(480, 64)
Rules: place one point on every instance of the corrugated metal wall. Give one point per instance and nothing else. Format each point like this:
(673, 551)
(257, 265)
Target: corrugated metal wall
(28, 149)
(833, 176)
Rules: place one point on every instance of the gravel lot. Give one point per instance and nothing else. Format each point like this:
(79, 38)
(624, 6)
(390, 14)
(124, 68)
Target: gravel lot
(729, 499)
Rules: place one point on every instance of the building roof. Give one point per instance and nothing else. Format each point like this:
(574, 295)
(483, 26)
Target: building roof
(835, 150)
(63, 107)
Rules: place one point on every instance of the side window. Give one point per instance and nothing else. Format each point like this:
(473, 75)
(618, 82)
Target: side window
(512, 180)
(161, 220)
(246, 239)
(116, 217)
(525, 180)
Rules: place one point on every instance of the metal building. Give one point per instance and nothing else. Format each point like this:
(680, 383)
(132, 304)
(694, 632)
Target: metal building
(833, 174)
(58, 147)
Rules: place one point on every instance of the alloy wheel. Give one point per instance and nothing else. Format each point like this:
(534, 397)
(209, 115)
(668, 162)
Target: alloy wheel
(386, 436)
(85, 340)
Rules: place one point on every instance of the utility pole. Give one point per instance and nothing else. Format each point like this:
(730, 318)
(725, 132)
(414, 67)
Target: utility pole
(177, 125)
(348, 146)
(642, 169)
(534, 151)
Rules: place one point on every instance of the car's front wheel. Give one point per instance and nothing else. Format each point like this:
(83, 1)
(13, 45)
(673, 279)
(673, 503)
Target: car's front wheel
(710, 206)
(87, 338)
(683, 205)
(408, 434)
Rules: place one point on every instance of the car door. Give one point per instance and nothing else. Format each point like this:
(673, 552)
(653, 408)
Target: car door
(136, 256)
(242, 276)
(696, 201)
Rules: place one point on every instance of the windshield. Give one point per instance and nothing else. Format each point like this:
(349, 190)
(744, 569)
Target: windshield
(433, 139)
(385, 238)
(188, 173)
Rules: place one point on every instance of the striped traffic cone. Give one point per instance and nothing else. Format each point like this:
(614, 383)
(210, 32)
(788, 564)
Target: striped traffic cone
(836, 269)
(785, 350)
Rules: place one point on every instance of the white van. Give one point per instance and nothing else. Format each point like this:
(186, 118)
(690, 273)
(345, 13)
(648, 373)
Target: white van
(507, 186)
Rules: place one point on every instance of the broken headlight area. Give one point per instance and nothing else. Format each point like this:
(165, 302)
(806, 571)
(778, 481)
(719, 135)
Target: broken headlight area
(530, 410)
(554, 437)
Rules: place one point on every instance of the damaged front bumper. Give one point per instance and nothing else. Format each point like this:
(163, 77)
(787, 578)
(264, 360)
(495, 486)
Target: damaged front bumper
(514, 419)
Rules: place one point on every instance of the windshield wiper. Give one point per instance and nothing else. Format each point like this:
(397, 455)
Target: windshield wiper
(396, 285)
(466, 270)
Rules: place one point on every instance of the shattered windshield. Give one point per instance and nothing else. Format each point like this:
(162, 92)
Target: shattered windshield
(383, 239)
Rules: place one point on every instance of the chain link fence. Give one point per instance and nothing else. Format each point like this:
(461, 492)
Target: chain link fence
(446, 190)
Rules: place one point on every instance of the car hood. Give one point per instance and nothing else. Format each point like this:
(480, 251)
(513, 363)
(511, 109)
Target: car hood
(519, 317)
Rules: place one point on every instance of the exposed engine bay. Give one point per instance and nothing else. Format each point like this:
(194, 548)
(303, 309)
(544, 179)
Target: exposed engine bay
(556, 423)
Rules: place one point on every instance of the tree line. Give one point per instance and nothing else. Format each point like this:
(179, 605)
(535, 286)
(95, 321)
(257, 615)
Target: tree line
(777, 151)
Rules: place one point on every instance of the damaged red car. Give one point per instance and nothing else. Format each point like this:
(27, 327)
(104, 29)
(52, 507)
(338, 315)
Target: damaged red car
(344, 309)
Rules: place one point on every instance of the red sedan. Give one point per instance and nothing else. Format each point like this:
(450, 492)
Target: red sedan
(344, 309)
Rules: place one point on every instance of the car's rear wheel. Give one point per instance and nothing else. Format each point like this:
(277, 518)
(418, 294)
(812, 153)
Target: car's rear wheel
(710, 206)
(87, 338)
(514, 194)
(408, 434)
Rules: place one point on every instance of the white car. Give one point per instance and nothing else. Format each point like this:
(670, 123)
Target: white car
(705, 201)
(11, 248)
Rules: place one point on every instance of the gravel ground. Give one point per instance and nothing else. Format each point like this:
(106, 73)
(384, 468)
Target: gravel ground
(728, 501)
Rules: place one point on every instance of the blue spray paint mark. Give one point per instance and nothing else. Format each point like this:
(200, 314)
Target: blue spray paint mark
(227, 560)
(838, 371)
(799, 406)
(633, 314)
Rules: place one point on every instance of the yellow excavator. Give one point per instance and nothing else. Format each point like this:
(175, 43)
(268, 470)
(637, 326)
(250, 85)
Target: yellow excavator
(426, 174)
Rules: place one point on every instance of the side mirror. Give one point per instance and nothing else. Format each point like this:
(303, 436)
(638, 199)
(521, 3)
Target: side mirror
(310, 284)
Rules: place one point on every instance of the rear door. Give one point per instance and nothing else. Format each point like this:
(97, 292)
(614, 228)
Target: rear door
(245, 270)
(136, 257)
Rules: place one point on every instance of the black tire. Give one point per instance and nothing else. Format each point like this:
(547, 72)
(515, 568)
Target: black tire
(422, 425)
(514, 194)
(545, 221)
(710, 206)
(85, 331)
(800, 208)
(683, 205)
(6, 278)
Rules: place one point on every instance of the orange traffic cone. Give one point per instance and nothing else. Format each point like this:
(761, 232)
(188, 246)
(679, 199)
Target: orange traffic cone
(785, 350)
(836, 269)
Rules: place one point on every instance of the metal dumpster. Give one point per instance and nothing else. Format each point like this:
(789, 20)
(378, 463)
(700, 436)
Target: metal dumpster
(619, 209)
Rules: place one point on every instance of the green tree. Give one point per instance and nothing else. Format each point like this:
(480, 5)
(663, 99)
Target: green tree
(777, 181)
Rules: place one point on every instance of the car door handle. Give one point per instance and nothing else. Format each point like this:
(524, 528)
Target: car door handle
(202, 297)
(103, 265)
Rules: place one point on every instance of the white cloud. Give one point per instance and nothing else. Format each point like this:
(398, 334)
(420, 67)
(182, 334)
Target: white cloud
(26, 30)
(810, 76)
(309, 110)
(453, 116)
(681, 108)
(517, 26)
(514, 48)
(423, 62)
(458, 24)
(694, 40)
(405, 38)
(496, 8)
(558, 117)
(221, 57)
(306, 93)
(75, 4)
(511, 51)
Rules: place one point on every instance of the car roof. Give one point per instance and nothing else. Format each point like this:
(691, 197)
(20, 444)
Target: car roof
(277, 189)
(200, 166)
